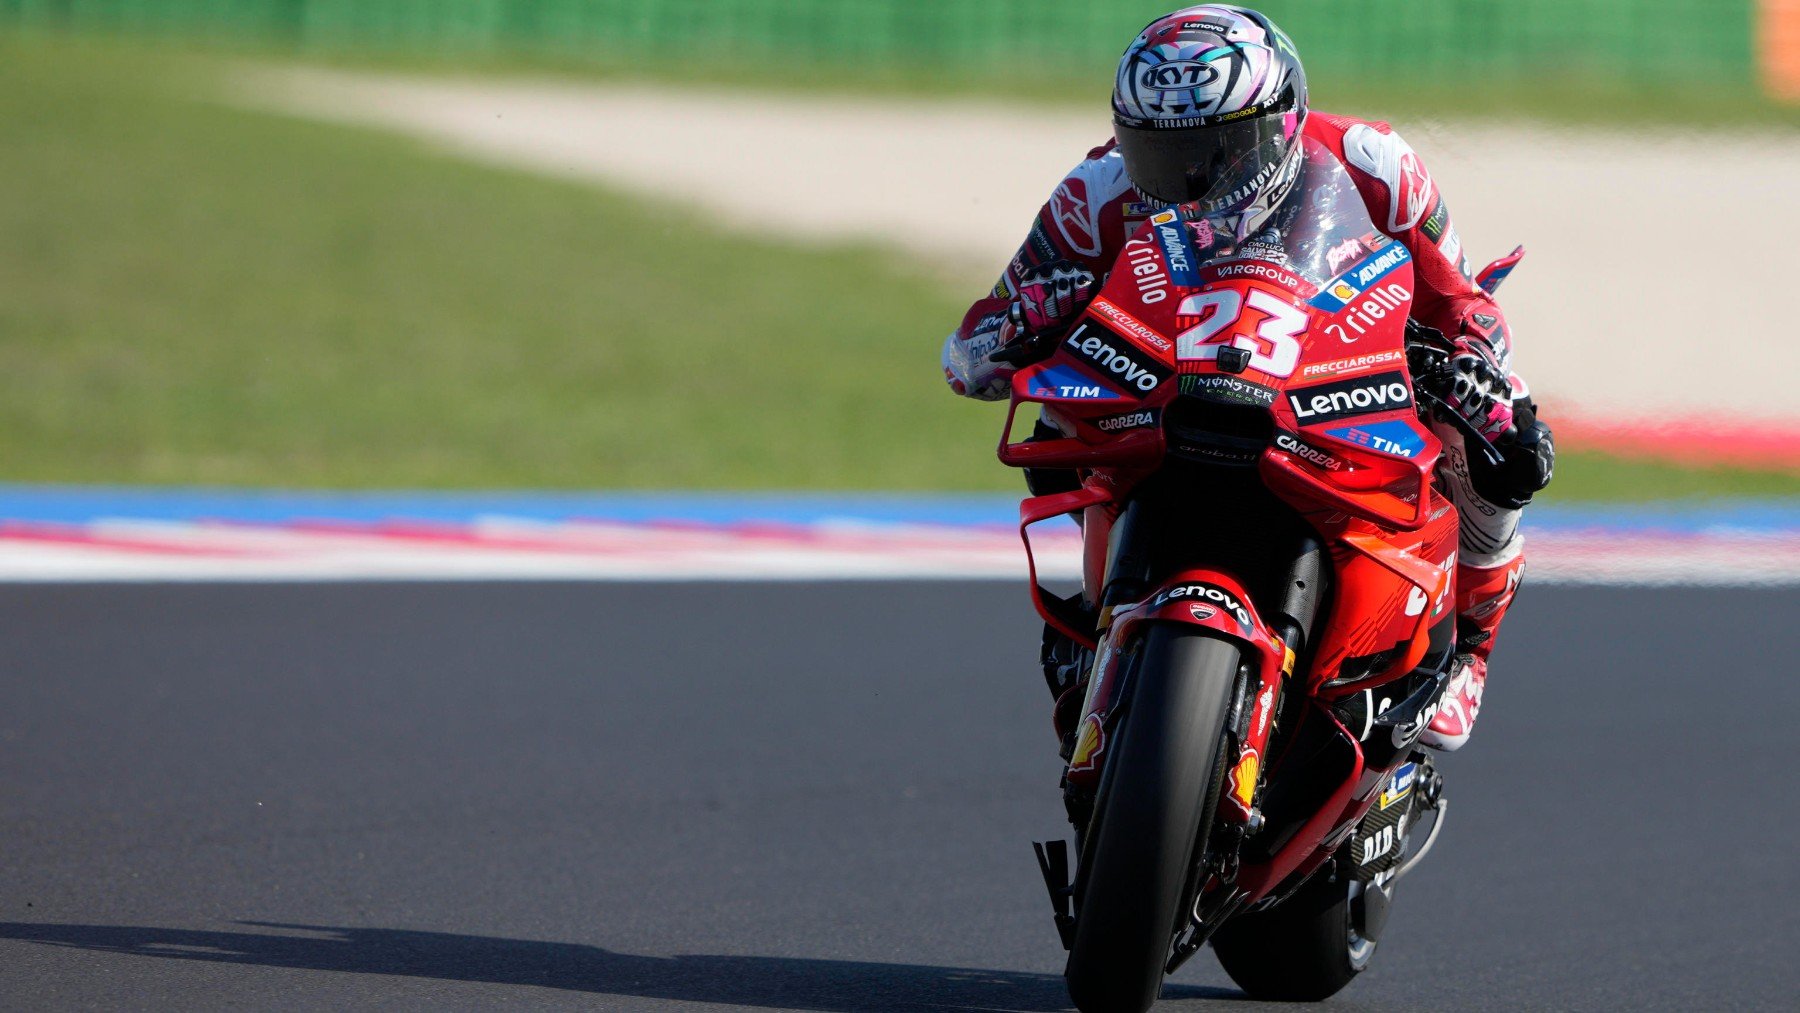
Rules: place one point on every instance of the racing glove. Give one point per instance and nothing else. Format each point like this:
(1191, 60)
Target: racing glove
(1050, 297)
(1474, 384)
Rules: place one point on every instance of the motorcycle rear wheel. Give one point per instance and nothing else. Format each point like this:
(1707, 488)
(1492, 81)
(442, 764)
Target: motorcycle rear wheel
(1158, 791)
(1305, 949)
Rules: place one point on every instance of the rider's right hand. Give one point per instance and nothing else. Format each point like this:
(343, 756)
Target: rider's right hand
(1051, 296)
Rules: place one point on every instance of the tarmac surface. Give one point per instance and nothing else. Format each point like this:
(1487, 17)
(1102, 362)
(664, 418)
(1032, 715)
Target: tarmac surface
(800, 796)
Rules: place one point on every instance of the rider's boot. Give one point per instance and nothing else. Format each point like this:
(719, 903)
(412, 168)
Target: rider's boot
(1482, 597)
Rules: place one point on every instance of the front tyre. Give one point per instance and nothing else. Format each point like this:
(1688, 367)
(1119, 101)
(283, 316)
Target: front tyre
(1305, 949)
(1159, 789)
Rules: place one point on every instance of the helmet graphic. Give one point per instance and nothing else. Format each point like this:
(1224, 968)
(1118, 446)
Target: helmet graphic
(1207, 110)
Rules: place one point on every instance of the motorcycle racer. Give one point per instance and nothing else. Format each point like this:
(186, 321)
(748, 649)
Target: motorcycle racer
(1210, 112)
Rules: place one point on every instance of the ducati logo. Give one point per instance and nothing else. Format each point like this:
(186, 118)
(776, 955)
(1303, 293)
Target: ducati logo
(1202, 611)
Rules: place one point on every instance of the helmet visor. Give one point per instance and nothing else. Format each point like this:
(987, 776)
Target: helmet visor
(1217, 166)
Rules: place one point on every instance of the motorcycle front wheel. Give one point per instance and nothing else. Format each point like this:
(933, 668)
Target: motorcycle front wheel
(1158, 791)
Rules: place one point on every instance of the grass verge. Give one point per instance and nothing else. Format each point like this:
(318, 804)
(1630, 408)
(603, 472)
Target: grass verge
(196, 294)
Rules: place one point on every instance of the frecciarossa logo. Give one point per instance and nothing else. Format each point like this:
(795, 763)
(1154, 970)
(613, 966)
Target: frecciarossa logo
(1363, 395)
(1116, 357)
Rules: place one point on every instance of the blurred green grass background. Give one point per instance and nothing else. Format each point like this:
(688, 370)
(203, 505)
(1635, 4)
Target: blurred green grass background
(195, 294)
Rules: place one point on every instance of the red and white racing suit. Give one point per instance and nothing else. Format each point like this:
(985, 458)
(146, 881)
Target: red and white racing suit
(1095, 209)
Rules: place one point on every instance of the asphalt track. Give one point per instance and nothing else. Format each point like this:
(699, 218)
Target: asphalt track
(811, 797)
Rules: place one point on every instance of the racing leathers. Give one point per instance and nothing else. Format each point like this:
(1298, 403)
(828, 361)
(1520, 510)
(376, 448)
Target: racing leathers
(1095, 209)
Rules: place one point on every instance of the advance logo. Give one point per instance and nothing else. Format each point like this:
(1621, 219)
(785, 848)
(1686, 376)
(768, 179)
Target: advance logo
(1116, 357)
(1329, 402)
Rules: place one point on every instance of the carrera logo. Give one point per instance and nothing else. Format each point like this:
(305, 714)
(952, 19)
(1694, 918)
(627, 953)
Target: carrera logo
(1205, 594)
(1332, 401)
(1307, 452)
(1112, 354)
(1129, 420)
(1178, 75)
(1069, 206)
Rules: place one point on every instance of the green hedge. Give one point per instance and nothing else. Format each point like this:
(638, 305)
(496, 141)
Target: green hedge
(1659, 44)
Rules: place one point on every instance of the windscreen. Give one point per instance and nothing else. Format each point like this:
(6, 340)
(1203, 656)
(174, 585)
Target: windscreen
(1323, 228)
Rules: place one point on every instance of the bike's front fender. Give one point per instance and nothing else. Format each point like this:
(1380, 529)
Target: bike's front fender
(1201, 597)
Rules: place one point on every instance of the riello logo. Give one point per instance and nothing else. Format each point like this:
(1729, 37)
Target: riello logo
(1108, 354)
(1361, 396)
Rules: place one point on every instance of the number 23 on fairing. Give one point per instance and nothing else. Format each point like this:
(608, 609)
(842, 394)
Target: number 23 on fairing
(1274, 345)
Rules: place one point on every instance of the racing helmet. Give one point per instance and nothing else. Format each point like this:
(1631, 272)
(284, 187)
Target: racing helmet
(1207, 111)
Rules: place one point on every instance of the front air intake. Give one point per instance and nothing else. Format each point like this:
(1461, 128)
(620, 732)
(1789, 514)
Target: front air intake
(1212, 432)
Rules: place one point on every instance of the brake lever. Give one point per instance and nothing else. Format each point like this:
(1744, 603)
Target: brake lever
(1025, 351)
(1472, 437)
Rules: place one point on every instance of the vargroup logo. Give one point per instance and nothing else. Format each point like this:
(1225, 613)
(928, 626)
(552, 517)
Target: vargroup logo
(1113, 355)
(1331, 401)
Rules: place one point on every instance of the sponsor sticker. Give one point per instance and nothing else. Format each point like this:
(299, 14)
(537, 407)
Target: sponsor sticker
(1087, 743)
(1111, 354)
(1129, 420)
(1256, 269)
(1434, 223)
(1399, 786)
(1065, 383)
(1393, 437)
(1204, 594)
(1361, 276)
(1178, 249)
(1293, 444)
(1228, 389)
(1147, 271)
(1131, 326)
(1352, 364)
(1328, 402)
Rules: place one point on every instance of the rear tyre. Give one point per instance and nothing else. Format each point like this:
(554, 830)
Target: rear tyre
(1158, 792)
(1305, 949)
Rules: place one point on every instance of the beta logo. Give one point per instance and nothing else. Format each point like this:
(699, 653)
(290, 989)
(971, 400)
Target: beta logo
(1328, 402)
(1113, 355)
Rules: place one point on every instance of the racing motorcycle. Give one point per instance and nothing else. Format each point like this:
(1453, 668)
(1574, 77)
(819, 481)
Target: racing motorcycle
(1265, 614)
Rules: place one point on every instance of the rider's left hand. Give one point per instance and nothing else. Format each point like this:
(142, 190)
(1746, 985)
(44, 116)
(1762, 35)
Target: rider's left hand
(1478, 388)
